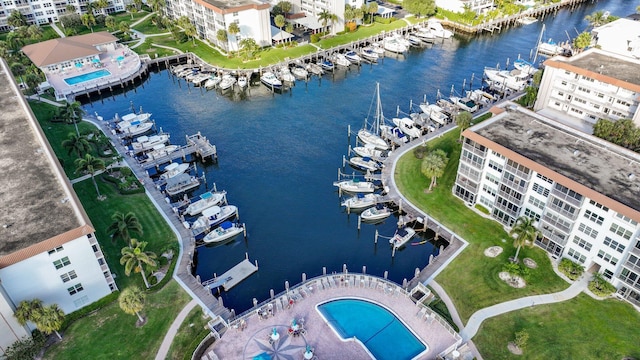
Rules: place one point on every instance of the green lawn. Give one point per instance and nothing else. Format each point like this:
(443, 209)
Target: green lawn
(57, 132)
(148, 49)
(192, 331)
(122, 16)
(471, 279)
(147, 27)
(361, 33)
(581, 328)
(111, 334)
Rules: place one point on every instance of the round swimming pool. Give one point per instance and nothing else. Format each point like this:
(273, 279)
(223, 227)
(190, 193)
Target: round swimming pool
(383, 335)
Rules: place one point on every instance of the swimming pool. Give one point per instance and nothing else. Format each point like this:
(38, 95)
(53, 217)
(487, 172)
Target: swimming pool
(75, 80)
(384, 336)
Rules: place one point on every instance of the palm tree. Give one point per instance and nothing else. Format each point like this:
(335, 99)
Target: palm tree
(285, 6)
(34, 32)
(280, 21)
(134, 256)
(70, 8)
(349, 13)
(138, 4)
(249, 46)
(110, 23)
(132, 9)
(18, 69)
(124, 27)
(325, 16)
(72, 113)
(91, 165)
(88, 20)
(28, 310)
(131, 301)
(14, 41)
(50, 319)
(156, 4)
(596, 19)
(78, 144)
(234, 30)
(525, 234)
(463, 120)
(123, 225)
(372, 9)
(16, 19)
(433, 165)
(222, 37)
(102, 5)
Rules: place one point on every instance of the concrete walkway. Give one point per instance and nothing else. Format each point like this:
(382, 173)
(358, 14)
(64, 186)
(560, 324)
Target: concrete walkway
(173, 330)
(57, 30)
(481, 315)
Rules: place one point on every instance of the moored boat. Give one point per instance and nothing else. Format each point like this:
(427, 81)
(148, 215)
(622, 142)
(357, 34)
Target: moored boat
(402, 236)
(242, 81)
(158, 151)
(365, 163)
(361, 201)
(393, 45)
(214, 215)
(376, 213)
(514, 79)
(525, 66)
(181, 183)
(146, 143)
(315, 69)
(368, 150)
(227, 82)
(271, 81)
(436, 113)
(368, 54)
(205, 201)
(227, 230)
(436, 28)
(137, 128)
(341, 60)
(408, 127)
(299, 72)
(212, 81)
(355, 186)
(465, 104)
(174, 169)
(353, 57)
(326, 65)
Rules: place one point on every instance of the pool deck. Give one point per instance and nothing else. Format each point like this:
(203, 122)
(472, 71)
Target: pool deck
(252, 338)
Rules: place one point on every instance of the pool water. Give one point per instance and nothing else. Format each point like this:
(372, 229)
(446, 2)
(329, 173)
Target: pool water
(75, 80)
(381, 332)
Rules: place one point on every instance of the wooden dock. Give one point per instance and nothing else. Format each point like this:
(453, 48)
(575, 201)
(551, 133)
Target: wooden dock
(197, 144)
(233, 276)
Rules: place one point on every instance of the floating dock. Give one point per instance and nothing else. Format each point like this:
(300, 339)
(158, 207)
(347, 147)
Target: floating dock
(233, 276)
(196, 144)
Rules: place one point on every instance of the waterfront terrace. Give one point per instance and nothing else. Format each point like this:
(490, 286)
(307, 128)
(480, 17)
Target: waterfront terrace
(235, 5)
(591, 166)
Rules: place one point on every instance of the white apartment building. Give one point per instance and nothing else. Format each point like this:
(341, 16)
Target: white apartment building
(582, 190)
(477, 6)
(620, 37)
(209, 16)
(48, 249)
(47, 11)
(590, 86)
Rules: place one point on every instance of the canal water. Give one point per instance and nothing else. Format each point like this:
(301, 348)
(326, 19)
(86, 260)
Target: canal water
(279, 154)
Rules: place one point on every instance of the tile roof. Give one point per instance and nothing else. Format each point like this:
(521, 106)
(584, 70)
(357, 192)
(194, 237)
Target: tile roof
(55, 51)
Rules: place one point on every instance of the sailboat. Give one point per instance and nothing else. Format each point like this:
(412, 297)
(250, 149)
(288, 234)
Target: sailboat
(371, 135)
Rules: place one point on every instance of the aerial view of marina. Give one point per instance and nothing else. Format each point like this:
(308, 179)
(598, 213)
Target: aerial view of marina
(296, 209)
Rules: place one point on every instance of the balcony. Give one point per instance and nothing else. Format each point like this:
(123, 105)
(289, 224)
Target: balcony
(565, 197)
(467, 184)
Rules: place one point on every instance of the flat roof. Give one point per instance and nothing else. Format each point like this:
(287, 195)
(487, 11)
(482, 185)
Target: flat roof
(237, 5)
(59, 50)
(596, 164)
(36, 204)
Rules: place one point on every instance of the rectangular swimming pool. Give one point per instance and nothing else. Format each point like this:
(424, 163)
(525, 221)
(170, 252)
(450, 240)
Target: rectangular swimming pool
(75, 80)
(380, 331)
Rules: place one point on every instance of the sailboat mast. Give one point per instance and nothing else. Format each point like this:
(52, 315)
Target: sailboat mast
(535, 56)
(379, 114)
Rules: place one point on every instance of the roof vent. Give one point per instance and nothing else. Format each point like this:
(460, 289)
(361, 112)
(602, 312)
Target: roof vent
(600, 69)
(529, 131)
(631, 176)
(576, 152)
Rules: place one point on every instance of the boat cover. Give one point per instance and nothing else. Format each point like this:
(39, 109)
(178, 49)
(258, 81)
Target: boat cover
(226, 225)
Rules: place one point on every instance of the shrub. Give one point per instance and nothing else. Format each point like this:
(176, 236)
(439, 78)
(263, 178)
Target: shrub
(78, 314)
(351, 26)
(571, 269)
(516, 269)
(314, 38)
(521, 339)
(599, 286)
(25, 348)
(420, 151)
(382, 20)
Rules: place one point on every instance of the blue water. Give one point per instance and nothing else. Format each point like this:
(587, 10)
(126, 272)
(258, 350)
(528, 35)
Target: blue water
(87, 77)
(278, 155)
(384, 335)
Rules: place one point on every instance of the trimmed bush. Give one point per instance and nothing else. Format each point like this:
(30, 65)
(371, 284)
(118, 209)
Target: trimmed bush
(385, 21)
(600, 287)
(482, 209)
(70, 318)
(571, 269)
(351, 26)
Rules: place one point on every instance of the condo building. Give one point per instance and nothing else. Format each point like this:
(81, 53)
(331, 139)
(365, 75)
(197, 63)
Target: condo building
(581, 190)
(46, 11)
(589, 86)
(48, 249)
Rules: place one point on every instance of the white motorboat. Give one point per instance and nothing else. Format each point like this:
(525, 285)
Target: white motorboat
(370, 138)
(181, 183)
(393, 45)
(514, 79)
(425, 35)
(435, 112)
(159, 151)
(285, 75)
(465, 104)
(368, 150)
(402, 236)
(436, 28)
(341, 60)
(212, 81)
(370, 133)
(377, 48)
(326, 65)
(146, 143)
(271, 81)
(401, 39)
(393, 132)
(137, 128)
(199, 79)
(299, 72)
(368, 54)
(481, 96)
(227, 82)
(353, 57)
(214, 215)
(127, 119)
(525, 66)
(413, 40)
(173, 170)
(205, 201)
(242, 81)
(364, 163)
(227, 230)
(376, 213)
(361, 201)
(355, 186)
(527, 20)
(408, 127)
(550, 48)
(315, 69)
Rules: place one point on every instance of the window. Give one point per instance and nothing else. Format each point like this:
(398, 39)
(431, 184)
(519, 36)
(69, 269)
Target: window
(598, 205)
(582, 243)
(59, 264)
(497, 155)
(532, 214)
(607, 274)
(626, 219)
(563, 206)
(544, 178)
(619, 230)
(540, 190)
(493, 179)
(511, 192)
(588, 230)
(75, 289)
(577, 256)
(535, 202)
(495, 166)
(594, 217)
(489, 190)
(486, 202)
(568, 192)
(614, 244)
(68, 276)
(633, 260)
(608, 258)
(58, 249)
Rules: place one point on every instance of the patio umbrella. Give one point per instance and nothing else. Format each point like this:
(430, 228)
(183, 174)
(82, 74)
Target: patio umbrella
(78, 65)
(120, 58)
(96, 60)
